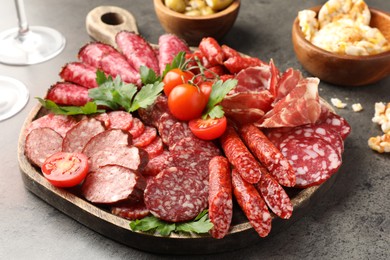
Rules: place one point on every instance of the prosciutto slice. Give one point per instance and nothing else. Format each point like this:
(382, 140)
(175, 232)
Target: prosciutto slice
(286, 83)
(301, 106)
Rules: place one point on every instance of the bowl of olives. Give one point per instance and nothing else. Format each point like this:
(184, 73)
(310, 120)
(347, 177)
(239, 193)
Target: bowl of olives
(194, 19)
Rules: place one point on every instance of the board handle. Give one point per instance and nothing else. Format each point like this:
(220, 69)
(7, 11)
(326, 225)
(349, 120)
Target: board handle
(104, 22)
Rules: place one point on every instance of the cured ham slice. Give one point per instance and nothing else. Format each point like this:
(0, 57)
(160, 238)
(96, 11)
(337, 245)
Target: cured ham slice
(253, 79)
(286, 83)
(301, 106)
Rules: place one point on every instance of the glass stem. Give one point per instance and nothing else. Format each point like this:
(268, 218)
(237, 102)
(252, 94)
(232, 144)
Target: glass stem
(22, 18)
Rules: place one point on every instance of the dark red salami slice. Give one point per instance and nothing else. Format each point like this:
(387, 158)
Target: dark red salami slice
(137, 51)
(269, 155)
(240, 157)
(70, 94)
(252, 204)
(77, 137)
(169, 46)
(157, 164)
(155, 148)
(131, 211)
(79, 73)
(107, 138)
(120, 120)
(137, 129)
(313, 159)
(178, 131)
(151, 114)
(147, 137)
(41, 143)
(164, 125)
(175, 195)
(92, 53)
(275, 196)
(220, 196)
(112, 183)
(59, 123)
(127, 156)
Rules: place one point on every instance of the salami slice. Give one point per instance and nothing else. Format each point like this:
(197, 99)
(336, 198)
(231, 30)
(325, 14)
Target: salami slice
(164, 125)
(120, 120)
(137, 51)
(155, 148)
(79, 73)
(111, 184)
(157, 164)
(269, 155)
(252, 204)
(275, 196)
(175, 195)
(92, 53)
(220, 196)
(127, 156)
(147, 137)
(169, 45)
(131, 211)
(178, 131)
(66, 93)
(41, 143)
(59, 123)
(211, 49)
(77, 137)
(240, 157)
(151, 114)
(107, 138)
(313, 159)
(137, 129)
(337, 124)
(237, 63)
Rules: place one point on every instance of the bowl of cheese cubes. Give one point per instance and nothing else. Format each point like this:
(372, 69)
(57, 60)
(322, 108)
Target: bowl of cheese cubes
(343, 42)
(194, 19)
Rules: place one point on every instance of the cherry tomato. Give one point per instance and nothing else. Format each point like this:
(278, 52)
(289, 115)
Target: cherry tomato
(174, 78)
(208, 129)
(186, 102)
(65, 169)
(206, 88)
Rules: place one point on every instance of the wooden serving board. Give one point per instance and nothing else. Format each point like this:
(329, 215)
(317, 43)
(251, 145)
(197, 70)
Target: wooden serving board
(102, 221)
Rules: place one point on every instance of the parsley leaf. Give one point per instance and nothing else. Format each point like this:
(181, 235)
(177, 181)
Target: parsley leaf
(89, 108)
(146, 96)
(177, 62)
(201, 224)
(148, 76)
(219, 90)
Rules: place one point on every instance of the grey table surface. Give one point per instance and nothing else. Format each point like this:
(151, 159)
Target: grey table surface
(350, 222)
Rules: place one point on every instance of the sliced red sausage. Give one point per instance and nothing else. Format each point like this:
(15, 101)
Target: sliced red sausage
(252, 204)
(220, 196)
(120, 120)
(112, 183)
(169, 45)
(131, 211)
(79, 73)
(155, 148)
(269, 155)
(69, 94)
(59, 123)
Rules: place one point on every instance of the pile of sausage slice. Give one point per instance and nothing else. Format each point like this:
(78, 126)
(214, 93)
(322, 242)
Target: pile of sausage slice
(280, 134)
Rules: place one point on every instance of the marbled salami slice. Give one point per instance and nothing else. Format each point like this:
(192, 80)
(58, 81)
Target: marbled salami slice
(175, 195)
(252, 204)
(147, 137)
(92, 53)
(157, 164)
(269, 155)
(137, 51)
(169, 45)
(59, 123)
(240, 157)
(220, 196)
(69, 94)
(131, 211)
(337, 124)
(137, 129)
(164, 125)
(41, 143)
(275, 196)
(178, 131)
(151, 114)
(313, 159)
(107, 138)
(79, 73)
(112, 183)
(120, 120)
(77, 137)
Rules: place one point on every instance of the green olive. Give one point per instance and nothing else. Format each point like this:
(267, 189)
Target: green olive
(176, 5)
(196, 4)
(218, 5)
(206, 10)
(193, 13)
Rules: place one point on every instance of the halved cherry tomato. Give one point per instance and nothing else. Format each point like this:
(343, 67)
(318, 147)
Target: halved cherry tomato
(186, 102)
(65, 169)
(206, 88)
(208, 129)
(174, 78)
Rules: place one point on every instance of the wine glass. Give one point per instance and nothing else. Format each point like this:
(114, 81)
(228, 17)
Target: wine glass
(13, 97)
(28, 45)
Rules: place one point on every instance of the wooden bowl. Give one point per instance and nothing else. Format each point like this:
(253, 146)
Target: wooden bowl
(345, 70)
(193, 29)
